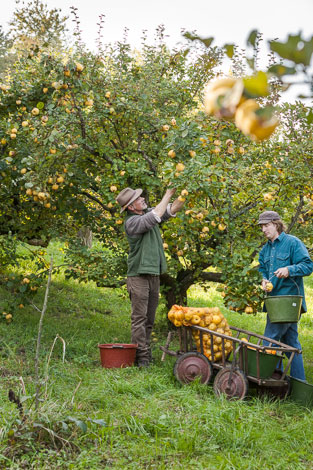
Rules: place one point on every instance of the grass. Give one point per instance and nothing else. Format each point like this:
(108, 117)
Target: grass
(130, 418)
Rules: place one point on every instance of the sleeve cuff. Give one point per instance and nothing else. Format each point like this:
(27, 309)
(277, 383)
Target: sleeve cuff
(169, 206)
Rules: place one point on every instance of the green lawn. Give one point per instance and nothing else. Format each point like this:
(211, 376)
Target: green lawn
(91, 417)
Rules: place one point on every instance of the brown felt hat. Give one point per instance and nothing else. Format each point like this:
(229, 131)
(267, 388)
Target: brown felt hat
(127, 196)
(268, 216)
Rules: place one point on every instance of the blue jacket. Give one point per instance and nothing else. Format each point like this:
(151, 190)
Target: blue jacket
(286, 251)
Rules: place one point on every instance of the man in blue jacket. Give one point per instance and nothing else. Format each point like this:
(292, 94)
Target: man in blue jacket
(284, 260)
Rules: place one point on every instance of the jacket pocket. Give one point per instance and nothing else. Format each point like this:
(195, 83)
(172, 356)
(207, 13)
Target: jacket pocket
(267, 261)
(283, 259)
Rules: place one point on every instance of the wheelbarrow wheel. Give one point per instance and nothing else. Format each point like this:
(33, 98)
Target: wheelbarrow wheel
(192, 365)
(232, 383)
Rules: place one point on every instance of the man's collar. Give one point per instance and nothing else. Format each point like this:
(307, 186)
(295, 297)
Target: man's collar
(280, 238)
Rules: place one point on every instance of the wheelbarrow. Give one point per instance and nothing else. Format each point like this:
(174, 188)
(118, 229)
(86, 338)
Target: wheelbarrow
(249, 362)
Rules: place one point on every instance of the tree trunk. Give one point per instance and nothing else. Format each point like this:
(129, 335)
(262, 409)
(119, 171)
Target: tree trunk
(175, 296)
(175, 290)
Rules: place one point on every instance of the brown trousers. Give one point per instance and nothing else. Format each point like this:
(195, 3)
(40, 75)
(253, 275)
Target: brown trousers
(144, 295)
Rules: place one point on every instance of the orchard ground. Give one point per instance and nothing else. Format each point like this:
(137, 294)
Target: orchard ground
(94, 418)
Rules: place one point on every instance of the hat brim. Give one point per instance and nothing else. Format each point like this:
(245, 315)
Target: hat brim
(137, 193)
(263, 222)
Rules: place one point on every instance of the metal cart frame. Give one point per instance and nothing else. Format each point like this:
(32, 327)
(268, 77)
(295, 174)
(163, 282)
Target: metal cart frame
(233, 375)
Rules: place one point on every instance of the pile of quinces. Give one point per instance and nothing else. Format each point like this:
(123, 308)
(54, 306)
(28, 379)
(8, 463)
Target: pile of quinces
(210, 318)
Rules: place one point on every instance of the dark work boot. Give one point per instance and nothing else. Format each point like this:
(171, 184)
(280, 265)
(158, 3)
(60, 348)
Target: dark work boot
(143, 363)
(142, 359)
(151, 359)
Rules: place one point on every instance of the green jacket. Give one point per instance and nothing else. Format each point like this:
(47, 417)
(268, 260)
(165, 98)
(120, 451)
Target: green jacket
(146, 254)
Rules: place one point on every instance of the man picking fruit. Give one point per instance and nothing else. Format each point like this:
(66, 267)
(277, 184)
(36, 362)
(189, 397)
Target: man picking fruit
(284, 260)
(146, 261)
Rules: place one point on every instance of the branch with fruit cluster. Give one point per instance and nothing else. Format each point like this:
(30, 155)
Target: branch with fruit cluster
(237, 98)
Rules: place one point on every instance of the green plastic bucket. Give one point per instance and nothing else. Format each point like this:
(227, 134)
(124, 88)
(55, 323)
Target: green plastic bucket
(283, 308)
(267, 363)
(301, 392)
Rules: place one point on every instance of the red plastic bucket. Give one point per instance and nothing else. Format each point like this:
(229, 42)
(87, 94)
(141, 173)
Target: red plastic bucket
(117, 355)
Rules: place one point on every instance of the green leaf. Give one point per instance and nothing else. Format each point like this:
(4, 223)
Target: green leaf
(101, 422)
(229, 50)
(29, 185)
(206, 41)
(256, 85)
(251, 62)
(64, 426)
(252, 37)
(309, 117)
(81, 424)
(24, 398)
(280, 70)
(295, 49)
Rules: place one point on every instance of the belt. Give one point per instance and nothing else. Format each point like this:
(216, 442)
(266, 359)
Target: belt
(150, 275)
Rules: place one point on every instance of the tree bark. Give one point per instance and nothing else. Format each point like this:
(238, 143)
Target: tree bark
(175, 290)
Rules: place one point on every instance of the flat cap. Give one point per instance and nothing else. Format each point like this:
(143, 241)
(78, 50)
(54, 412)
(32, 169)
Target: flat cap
(268, 216)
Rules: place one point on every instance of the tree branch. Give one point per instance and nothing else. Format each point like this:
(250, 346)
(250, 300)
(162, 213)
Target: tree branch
(296, 216)
(95, 199)
(211, 277)
(148, 159)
